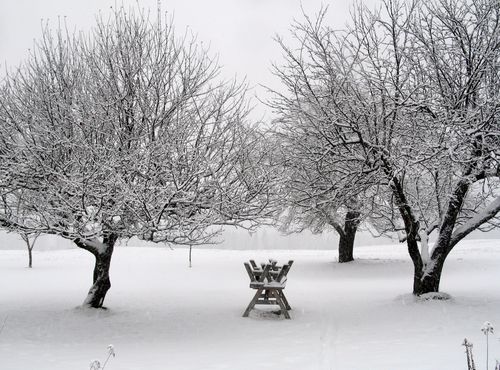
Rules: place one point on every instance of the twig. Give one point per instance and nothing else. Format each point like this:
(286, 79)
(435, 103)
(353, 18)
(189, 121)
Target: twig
(3, 324)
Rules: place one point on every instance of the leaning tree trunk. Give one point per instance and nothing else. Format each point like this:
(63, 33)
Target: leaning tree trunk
(101, 282)
(346, 242)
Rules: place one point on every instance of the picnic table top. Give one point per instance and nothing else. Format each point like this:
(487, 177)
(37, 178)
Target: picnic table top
(267, 275)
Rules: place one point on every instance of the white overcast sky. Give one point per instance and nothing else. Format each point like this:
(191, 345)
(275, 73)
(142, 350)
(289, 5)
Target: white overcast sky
(240, 31)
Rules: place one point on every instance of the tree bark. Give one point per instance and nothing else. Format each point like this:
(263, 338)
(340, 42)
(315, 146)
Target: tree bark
(101, 281)
(427, 280)
(30, 257)
(346, 242)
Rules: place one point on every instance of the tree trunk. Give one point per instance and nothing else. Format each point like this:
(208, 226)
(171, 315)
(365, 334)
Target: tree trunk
(30, 257)
(346, 242)
(29, 245)
(101, 280)
(427, 278)
(426, 284)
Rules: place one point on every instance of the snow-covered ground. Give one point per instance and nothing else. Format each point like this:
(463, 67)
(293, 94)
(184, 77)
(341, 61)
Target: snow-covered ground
(164, 315)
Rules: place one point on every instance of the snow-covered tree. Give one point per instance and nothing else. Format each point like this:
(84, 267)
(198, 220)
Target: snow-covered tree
(127, 131)
(313, 195)
(408, 96)
(321, 190)
(455, 67)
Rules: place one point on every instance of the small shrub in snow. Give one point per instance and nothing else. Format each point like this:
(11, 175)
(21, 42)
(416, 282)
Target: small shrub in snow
(96, 364)
(487, 328)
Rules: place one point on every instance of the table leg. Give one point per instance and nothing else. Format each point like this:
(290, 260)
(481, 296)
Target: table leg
(285, 301)
(252, 302)
(277, 296)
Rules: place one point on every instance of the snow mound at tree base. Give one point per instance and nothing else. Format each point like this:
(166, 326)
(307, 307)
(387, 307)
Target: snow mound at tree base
(411, 298)
(434, 296)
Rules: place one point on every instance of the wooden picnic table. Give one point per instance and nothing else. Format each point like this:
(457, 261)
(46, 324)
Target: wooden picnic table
(269, 279)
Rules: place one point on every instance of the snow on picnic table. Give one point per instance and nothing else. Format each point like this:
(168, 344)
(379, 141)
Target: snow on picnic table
(164, 315)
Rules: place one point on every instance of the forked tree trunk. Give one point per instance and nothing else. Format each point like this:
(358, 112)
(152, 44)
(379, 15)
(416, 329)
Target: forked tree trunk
(30, 244)
(101, 281)
(426, 282)
(427, 278)
(346, 242)
(428, 273)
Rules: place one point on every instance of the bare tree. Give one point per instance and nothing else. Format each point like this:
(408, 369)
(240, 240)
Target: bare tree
(456, 69)
(128, 131)
(313, 195)
(409, 97)
(325, 186)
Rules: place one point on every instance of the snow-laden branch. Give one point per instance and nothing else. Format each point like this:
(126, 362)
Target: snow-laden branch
(129, 131)
(486, 214)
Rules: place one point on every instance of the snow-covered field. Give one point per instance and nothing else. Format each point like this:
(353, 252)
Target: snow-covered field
(164, 315)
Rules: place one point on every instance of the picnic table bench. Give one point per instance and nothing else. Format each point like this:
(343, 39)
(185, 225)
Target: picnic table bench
(269, 279)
